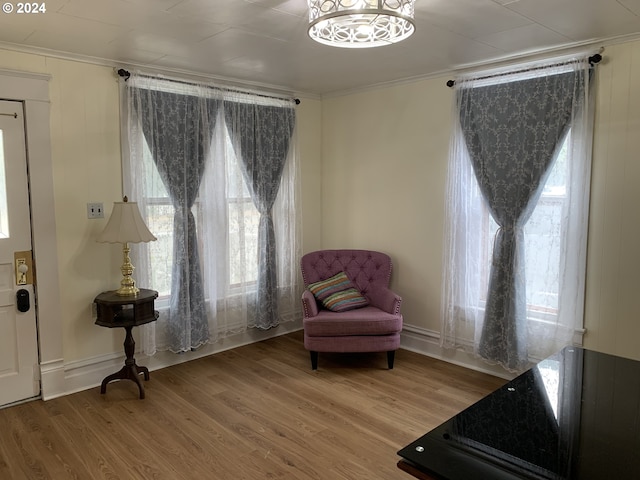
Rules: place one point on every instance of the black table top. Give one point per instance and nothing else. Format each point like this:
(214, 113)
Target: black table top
(576, 415)
(112, 298)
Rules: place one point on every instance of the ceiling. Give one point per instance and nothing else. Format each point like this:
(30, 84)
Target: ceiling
(265, 42)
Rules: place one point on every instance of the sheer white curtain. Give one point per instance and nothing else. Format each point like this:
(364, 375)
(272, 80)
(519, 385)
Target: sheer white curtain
(225, 217)
(517, 211)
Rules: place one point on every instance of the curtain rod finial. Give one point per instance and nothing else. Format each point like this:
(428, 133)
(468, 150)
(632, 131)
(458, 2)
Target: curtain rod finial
(124, 73)
(451, 83)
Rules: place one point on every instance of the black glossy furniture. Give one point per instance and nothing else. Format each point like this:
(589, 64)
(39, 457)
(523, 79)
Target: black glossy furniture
(116, 311)
(576, 415)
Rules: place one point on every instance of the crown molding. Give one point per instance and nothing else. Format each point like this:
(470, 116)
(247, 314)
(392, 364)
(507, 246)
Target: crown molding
(187, 74)
(503, 61)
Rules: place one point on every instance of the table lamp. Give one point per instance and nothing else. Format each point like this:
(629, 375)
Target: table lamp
(126, 226)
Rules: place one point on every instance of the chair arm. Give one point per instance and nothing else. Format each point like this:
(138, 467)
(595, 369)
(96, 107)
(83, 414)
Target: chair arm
(385, 299)
(309, 305)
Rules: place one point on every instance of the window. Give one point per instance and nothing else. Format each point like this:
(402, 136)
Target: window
(543, 239)
(520, 158)
(242, 236)
(243, 225)
(159, 216)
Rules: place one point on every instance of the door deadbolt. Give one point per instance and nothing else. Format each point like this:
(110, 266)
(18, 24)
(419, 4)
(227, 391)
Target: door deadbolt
(22, 300)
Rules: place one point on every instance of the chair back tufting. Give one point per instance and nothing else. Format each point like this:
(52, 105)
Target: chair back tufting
(363, 267)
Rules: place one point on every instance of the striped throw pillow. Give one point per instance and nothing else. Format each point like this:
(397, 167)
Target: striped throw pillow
(337, 293)
(346, 300)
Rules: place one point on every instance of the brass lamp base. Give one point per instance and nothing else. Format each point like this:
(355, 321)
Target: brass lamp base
(127, 291)
(127, 284)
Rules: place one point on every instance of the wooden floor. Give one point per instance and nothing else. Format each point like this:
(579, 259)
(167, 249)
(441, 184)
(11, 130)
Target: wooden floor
(256, 412)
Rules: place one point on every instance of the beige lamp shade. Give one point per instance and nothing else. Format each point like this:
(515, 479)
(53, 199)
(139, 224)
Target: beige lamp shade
(126, 225)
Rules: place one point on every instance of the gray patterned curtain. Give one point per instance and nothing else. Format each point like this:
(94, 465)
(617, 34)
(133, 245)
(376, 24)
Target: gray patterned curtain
(178, 130)
(512, 131)
(261, 135)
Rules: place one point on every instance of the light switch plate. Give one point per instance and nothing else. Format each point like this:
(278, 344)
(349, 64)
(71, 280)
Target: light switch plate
(95, 210)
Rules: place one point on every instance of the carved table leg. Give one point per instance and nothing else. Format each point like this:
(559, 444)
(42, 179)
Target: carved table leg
(130, 371)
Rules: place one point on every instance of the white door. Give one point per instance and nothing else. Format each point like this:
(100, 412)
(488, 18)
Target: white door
(19, 370)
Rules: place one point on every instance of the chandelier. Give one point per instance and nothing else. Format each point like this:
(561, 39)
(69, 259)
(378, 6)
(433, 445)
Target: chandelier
(360, 23)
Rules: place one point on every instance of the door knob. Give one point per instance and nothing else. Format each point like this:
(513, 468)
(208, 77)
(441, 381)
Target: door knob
(22, 271)
(23, 262)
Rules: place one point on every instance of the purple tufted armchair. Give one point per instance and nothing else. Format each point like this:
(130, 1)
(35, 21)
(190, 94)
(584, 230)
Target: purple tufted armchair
(373, 328)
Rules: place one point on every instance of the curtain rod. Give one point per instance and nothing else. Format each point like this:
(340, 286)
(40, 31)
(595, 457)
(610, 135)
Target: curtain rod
(126, 74)
(593, 59)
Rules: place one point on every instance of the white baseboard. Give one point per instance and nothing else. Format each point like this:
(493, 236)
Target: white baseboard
(427, 342)
(52, 379)
(89, 373)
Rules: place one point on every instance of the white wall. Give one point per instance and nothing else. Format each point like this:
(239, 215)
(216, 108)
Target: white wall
(384, 170)
(85, 151)
(613, 268)
(309, 120)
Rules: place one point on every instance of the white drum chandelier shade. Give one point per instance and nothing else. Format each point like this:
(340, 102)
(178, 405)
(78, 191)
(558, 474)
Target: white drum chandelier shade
(360, 23)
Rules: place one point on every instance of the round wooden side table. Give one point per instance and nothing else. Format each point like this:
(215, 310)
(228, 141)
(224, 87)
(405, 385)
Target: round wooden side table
(117, 311)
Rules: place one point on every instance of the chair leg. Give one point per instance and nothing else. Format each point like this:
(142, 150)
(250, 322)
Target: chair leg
(314, 360)
(391, 355)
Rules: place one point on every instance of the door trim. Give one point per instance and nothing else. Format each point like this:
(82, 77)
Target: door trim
(33, 89)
